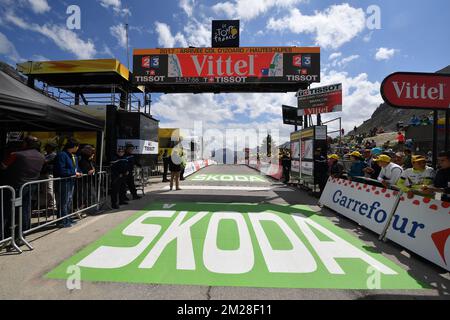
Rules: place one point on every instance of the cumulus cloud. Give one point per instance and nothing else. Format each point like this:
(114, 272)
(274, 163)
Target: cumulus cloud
(361, 97)
(385, 54)
(116, 5)
(187, 6)
(119, 32)
(8, 49)
(332, 28)
(334, 56)
(250, 9)
(165, 37)
(39, 6)
(65, 39)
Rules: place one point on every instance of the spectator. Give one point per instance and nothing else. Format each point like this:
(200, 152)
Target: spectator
(183, 164)
(335, 168)
(19, 168)
(373, 144)
(166, 160)
(400, 141)
(358, 165)
(442, 180)
(286, 165)
(408, 159)
(47, 173)
(175, 169)
(414, 121)
(372, 168)
(399, 159)
(390, 172)
(320, 169)
(119, 172)
(425, 121)
(355, 130)
(418, 178)
(66, 167)
(129, 148)
(409, 144)
(386, 145)
(87, 167)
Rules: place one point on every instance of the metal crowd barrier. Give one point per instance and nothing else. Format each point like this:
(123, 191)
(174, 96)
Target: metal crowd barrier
(142, 175)
(42, 203)
(7, 217)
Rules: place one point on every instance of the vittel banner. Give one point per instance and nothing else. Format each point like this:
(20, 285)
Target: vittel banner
(417, 90)
(237, 66)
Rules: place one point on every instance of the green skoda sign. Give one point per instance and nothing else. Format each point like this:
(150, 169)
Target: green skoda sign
(247, 245)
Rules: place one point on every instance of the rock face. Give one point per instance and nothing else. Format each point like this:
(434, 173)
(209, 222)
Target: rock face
(387, 117)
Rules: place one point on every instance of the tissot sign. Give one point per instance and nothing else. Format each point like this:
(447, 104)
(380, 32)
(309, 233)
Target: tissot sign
(320, 100)
(417, 90)
(238, 67)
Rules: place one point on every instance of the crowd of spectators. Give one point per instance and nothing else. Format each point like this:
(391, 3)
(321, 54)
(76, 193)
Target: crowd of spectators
(73, 165)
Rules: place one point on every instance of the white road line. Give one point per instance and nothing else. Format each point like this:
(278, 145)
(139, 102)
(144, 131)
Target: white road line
(230, 188)
(84, 225)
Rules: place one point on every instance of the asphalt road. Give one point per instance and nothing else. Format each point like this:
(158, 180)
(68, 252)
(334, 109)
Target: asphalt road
(22, 275)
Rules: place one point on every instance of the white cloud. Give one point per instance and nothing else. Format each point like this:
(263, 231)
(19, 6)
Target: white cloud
(344, 61)
(116, 5)
(332, 28)
(335, 55)
(64, 38)
(119, 32)
(8, 49)
(187, 6)
(384, 54)
(166, 39)
(361, 97)
(250, 9)
(39, 6)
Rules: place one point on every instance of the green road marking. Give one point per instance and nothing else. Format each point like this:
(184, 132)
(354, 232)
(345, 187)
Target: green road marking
(247, 178)
(273, 246)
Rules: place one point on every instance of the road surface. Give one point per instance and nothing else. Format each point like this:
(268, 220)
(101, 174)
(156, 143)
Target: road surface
(230, 233)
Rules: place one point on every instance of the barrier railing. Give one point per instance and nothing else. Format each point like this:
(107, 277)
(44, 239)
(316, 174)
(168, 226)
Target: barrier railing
(8, 217)
(39, 204)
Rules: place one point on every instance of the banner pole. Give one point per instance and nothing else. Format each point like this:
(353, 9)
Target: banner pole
(391, 215)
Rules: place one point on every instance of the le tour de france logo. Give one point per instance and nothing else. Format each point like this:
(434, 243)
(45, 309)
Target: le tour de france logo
(226, 32)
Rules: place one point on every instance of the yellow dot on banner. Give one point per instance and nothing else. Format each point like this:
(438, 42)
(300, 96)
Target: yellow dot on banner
(234, 31)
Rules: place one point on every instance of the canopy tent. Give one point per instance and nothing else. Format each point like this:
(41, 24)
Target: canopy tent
(82, 76)
(25, 109)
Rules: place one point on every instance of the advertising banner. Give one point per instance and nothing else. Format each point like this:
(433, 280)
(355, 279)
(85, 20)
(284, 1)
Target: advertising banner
(367, 205)
(225, 34)
(417, 90)
(140, 146)
(320, 100)
(235, 66)
(423, 226)
(290, 116)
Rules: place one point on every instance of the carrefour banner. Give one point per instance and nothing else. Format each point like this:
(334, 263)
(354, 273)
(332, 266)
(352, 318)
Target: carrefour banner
(422, 225)
(369, 206)
(239, 66)
(418, 224)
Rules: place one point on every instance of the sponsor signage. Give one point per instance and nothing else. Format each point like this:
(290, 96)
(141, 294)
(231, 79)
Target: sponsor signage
(225, 33)
(140, 146)
(290, 116)
(242, 245)
(228, 178)
(367, 205)
(423, 226)
(417, 90)
(419, 224)
(237, 67)
(320, 100)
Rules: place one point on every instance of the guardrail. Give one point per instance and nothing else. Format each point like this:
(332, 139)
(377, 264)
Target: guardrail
(39, 204)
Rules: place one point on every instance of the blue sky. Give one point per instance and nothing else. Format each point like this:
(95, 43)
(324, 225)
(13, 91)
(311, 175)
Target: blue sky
(413, 37)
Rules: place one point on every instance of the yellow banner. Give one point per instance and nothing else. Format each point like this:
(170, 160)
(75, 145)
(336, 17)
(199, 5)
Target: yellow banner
(73, 66)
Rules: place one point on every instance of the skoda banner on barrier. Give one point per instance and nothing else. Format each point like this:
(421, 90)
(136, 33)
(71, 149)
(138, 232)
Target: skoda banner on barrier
(206, 67)
(320, 100)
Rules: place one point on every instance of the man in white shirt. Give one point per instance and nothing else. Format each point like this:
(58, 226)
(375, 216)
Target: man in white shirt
(390, 172)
